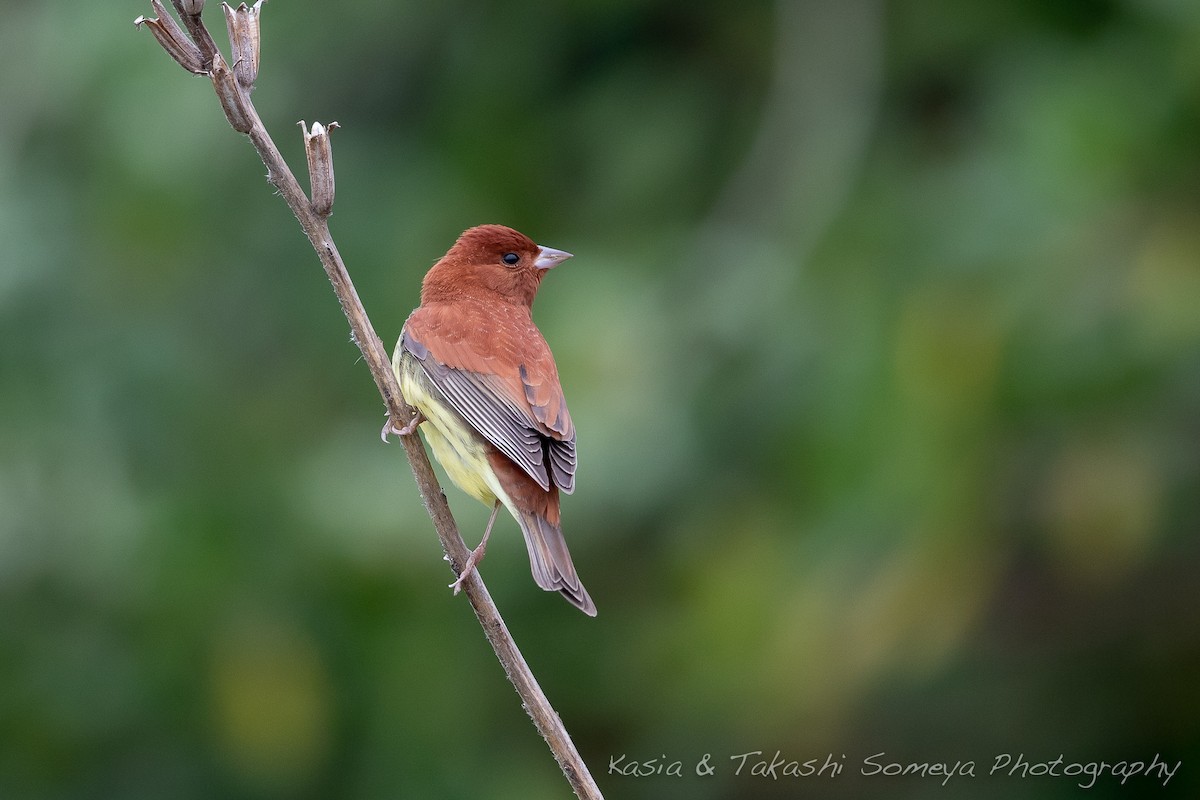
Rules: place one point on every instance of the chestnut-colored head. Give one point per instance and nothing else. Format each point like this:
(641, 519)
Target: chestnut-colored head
(490, 260)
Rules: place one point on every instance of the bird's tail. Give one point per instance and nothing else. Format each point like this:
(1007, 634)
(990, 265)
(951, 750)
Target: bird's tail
(551, 563)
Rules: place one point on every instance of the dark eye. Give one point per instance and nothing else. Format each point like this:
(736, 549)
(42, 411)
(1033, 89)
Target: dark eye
(510, 258)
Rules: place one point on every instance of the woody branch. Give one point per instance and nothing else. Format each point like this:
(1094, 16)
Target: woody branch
(195, 50)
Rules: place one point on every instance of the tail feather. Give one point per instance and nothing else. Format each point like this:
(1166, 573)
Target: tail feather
(550, 562)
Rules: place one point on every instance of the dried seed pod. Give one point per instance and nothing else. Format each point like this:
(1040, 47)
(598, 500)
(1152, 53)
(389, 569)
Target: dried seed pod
(172, 38)
(245, 40)
(233, 101)
(320, 166)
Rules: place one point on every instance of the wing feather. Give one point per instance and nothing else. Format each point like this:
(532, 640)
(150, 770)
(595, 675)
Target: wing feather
(530, 425)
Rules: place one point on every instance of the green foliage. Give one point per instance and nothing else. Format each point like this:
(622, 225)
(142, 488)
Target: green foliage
(882, 339)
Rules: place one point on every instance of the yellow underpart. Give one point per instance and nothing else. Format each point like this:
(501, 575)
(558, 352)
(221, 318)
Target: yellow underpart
(455, 444)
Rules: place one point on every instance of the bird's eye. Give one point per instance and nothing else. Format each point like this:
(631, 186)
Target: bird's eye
(510, 258)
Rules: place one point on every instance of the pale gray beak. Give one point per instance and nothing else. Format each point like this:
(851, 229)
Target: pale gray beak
(548, 257)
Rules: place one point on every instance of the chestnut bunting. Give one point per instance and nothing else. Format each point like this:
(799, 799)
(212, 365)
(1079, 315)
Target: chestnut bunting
(487, 395)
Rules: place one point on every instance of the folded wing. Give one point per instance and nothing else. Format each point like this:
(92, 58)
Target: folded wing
(509, 392)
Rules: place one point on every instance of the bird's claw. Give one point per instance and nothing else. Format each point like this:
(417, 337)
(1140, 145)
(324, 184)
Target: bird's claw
(468, 568)
(408, 429)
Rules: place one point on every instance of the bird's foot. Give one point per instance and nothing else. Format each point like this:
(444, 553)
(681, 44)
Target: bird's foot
(408, 429)
(476, 554)
(475, 557)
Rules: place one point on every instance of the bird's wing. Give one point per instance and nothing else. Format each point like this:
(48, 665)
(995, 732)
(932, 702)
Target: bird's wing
(504, 384)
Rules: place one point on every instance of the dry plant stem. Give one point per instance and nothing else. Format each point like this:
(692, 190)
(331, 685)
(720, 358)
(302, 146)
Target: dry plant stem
(315, 226)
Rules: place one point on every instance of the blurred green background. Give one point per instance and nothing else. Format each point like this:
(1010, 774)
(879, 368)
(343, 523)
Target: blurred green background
(882, 339)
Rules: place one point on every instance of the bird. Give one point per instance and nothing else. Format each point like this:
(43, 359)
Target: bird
(487, 395)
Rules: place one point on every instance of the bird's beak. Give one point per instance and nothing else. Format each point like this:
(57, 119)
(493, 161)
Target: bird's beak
(548, 257)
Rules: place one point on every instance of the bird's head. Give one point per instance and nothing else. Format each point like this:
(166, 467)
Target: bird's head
(491, 260)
